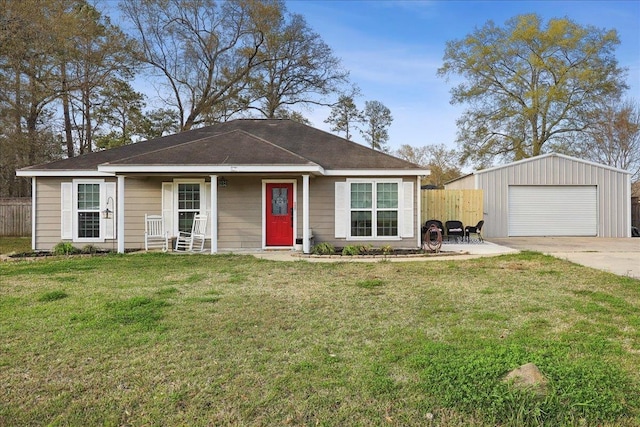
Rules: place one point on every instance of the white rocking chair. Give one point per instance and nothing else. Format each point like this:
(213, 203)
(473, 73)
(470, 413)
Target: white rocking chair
(193, 241)
(155, 235)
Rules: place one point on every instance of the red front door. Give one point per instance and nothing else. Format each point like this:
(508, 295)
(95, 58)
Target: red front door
(279, 215)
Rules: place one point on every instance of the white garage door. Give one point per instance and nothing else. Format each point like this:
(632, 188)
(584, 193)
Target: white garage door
(553, 211)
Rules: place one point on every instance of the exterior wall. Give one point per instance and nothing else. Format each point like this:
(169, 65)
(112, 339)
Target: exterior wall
(322, 213)
(239, 211)
(322, 209)
(613, 191)
(142, 196)
(48, 215)
(465, 183)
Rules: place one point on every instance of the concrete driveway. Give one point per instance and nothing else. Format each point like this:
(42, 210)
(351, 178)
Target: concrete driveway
(619, 256)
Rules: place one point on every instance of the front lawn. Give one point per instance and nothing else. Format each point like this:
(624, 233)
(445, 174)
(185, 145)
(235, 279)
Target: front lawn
(161, 339)
(15, 245)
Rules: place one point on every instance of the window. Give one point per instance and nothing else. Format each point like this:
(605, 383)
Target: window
(88, 210)
(182, 199)
(188, 205)
(279, 201)
(373, 208)
(82, 202)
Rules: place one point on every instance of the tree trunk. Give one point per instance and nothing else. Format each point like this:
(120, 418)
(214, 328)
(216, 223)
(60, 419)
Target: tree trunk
(65, 111)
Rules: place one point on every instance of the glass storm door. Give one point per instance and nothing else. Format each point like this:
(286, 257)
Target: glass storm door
(279, 215)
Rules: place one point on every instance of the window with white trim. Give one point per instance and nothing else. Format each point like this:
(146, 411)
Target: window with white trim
(188, 205)
(373, 208)
(88, 211)
(82, 203)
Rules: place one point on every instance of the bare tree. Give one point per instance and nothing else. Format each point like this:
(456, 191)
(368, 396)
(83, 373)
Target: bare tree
(204, 50)
(440, 160)
(613, 138)
(296, 68)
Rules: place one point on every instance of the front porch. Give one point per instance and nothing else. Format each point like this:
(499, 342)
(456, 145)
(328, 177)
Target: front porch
(238, 207)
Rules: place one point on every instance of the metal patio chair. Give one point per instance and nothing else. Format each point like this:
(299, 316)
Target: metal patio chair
(477, 231)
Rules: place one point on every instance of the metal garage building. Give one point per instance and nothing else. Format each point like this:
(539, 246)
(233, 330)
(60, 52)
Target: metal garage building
(553, 195)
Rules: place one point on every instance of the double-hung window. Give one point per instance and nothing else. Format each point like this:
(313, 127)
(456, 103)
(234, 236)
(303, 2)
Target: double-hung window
(88, 211)
(82, 203)
(188, 205)
(182, 199)
(373, 208)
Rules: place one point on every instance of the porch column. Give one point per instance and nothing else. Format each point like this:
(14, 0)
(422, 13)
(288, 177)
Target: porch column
(214, 213)
(120, 214)
(33, 212)
(419, 209)
(306, 245)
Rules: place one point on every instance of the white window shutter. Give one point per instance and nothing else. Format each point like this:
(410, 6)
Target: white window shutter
(167, 207)
(206, 199)
(341, 210)
(109, 200)
(407, 210)
(66, 210)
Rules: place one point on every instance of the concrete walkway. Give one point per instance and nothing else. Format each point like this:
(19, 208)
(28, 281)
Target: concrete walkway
(618, 256)
(448, 251)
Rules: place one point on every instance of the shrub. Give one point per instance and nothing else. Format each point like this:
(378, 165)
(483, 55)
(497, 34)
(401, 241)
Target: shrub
(386, 249)
(64, 248)
(89, 249)
(351, 250)
(323, 249)
(365, 249)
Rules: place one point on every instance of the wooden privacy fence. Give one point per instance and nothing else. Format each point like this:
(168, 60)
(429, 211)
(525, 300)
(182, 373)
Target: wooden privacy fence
(445, 205)
(15, 216)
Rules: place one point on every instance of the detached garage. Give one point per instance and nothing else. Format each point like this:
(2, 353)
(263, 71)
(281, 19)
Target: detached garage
(553, 195)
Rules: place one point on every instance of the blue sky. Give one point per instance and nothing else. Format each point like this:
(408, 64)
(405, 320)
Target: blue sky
(394, 48)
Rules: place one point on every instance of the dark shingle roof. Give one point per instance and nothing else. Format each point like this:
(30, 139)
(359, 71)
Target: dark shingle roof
(236, 147)
(240, 142)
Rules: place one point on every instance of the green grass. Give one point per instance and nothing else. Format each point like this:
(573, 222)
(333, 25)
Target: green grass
(15, 244)
(158, 339)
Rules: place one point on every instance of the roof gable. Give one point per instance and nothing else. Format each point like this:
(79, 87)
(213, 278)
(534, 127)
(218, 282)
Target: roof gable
(544, 156)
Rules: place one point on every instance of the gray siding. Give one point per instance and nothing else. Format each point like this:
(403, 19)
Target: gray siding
(322, 213)
(48, 212)
(240, 214)
(142, 196)
(322, 208)
(47, 215)
(239, 211)
(613, 191)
